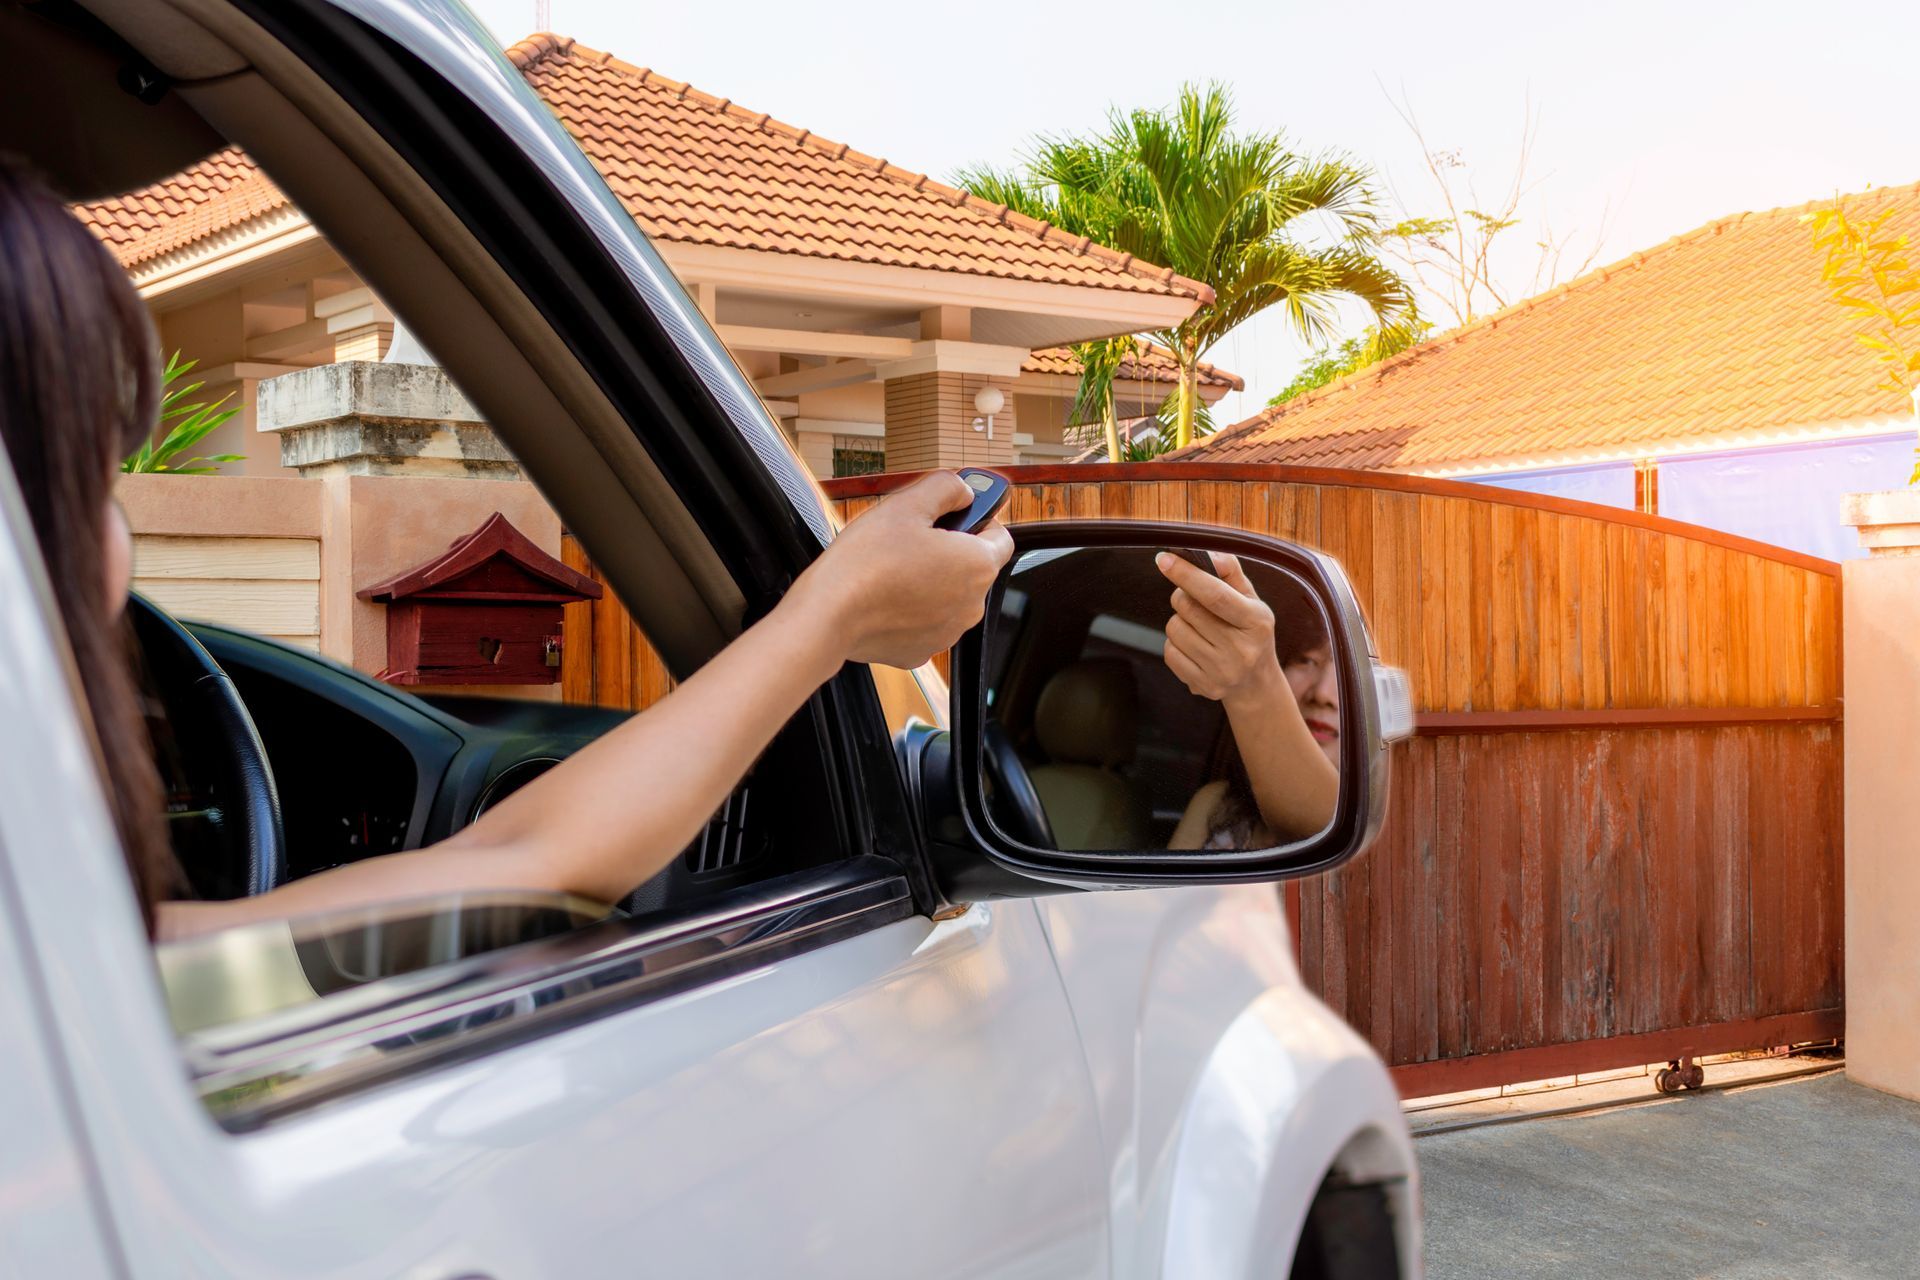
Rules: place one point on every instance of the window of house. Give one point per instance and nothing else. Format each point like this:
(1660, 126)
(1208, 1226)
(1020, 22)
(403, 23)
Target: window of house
(858, 456)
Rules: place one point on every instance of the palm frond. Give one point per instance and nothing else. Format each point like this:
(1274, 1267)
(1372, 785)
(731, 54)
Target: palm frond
(1100, 363)
(191, 423)
(1181, 188)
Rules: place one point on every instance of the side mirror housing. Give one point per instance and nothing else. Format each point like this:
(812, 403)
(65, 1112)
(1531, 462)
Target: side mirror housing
(1151, 703)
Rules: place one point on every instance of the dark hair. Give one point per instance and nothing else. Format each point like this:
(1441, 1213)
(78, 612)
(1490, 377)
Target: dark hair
(79, 390)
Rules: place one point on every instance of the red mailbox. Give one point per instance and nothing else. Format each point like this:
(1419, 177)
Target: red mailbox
(487, 611)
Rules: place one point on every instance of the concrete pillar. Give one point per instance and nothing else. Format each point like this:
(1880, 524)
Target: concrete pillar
(368, 419)
(1881, 626)
(930, 422)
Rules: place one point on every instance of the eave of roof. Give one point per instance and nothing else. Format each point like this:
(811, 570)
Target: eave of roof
(1153, 363)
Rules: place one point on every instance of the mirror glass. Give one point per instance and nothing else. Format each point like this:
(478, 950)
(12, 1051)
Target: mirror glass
(1139, 702)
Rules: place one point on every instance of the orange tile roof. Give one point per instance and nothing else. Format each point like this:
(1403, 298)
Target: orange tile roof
(1721, 333)
(222, 191)
(1149, 363)
(696, 169)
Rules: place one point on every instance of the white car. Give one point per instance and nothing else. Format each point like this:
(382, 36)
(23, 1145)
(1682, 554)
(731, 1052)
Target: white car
(893, 1019)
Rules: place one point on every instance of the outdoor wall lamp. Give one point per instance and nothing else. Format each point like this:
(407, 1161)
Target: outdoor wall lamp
(988, 401)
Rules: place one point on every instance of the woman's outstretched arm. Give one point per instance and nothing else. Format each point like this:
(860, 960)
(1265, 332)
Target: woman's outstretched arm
(1220, 642)
(890, 589)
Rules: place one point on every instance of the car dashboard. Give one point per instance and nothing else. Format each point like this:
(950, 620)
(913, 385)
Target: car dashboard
(363, 768)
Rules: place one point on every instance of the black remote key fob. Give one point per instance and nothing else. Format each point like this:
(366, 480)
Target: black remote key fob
(1198, 559)
(990, 490)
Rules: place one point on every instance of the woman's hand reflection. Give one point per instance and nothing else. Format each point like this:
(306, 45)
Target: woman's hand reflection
(1220, 638)
(1283, 782)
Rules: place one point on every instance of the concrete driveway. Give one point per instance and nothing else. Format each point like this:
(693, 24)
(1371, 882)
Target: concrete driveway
(1814, 1177)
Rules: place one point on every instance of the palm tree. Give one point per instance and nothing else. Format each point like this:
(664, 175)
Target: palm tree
(1100, 363)
(1180, 189)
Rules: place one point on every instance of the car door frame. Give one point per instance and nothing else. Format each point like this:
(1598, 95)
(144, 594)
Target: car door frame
(528, 196)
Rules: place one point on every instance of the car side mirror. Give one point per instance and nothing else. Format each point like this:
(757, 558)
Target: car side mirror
(1159, 704)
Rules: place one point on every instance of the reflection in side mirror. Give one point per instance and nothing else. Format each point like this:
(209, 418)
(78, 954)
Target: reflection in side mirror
(1144, 700)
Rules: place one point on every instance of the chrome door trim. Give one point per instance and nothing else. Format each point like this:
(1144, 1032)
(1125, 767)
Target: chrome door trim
(251, 1073)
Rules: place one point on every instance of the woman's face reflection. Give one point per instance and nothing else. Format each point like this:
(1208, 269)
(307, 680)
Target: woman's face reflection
(1316, 688)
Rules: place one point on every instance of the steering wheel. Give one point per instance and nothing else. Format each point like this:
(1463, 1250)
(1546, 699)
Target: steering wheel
(210, 716)
(1014, 789)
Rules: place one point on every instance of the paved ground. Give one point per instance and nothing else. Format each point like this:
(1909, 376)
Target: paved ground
(1805, 1178)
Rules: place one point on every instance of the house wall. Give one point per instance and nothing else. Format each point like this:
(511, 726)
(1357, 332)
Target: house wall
(209, 333)
(856, 410)
(243, 552)
(260, 321)
(285, 556)
(1046, 411)
(1043, 417)
(1610, 485)
(1785, 496)
(1782, 494)
(258, 324)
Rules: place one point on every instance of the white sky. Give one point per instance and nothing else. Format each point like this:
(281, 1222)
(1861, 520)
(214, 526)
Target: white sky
(1661, 115)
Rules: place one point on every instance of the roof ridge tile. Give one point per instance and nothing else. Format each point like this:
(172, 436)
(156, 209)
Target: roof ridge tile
(525, 53)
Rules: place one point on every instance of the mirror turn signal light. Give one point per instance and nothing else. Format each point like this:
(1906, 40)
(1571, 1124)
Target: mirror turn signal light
(1395, 694)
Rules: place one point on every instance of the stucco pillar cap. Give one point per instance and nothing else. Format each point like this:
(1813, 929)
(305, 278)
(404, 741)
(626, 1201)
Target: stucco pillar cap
(364, 417)
(1888, 523)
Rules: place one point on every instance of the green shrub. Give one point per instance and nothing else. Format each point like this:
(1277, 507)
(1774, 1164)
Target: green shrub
(187, 425)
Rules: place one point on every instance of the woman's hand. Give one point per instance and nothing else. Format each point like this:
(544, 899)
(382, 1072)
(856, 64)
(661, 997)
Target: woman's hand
(893, 589)
(1220, 638)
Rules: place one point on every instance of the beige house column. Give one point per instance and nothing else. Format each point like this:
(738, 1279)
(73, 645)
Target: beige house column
(1881, 626)
(930, 420)
(933, 394)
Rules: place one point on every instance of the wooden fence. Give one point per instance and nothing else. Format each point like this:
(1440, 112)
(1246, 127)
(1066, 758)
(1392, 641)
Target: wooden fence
(1617, 835)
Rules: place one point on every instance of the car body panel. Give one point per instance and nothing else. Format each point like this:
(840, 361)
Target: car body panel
(1125, 1083)
(819, 1117)
(1288, 1096)
(1225, 1090)
(52, 1221)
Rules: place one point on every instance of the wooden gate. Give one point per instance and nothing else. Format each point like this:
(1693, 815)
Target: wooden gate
(1617, 834)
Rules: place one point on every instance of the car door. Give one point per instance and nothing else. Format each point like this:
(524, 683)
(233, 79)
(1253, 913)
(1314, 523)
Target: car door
(908, 1099)
(51, 1216)
(809, 1077)
(806, 1076)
